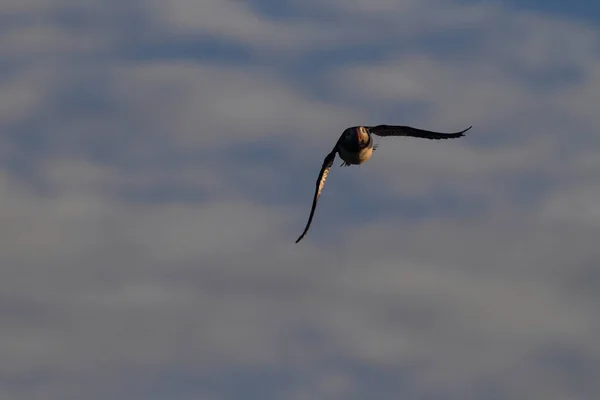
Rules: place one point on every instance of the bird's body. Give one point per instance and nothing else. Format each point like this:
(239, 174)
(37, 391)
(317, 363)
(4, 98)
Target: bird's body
(355, 146)
(356, 157)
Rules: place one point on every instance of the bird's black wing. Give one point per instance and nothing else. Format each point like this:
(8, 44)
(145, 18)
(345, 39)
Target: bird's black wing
(396, 130)
(327, 163)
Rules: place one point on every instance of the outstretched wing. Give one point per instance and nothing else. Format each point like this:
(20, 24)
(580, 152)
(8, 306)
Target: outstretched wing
(327, 163)
(396, 130)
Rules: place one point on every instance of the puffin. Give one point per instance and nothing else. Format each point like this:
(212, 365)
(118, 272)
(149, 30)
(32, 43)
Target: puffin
(355, 146)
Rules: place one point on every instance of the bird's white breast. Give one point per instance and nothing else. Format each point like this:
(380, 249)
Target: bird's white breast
(358, 157)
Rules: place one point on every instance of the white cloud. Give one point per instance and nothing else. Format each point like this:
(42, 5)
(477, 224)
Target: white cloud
(236, 21)
(211, 105)
(577, 204)
(17, 101)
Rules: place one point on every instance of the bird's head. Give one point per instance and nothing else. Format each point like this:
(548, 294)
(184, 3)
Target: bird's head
(362, 136)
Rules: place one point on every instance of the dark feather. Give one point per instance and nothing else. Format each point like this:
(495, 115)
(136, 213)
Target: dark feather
(325, 168)
(397, 130)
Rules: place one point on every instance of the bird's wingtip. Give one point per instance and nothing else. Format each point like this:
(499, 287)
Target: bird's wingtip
(462, 133)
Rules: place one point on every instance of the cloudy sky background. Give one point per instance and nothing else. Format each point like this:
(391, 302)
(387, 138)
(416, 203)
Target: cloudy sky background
(158, 161)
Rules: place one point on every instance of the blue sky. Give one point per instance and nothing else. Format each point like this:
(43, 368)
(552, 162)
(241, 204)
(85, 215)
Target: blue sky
(158, 161)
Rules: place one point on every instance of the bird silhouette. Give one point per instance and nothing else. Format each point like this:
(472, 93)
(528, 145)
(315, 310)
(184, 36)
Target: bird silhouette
(355, 146)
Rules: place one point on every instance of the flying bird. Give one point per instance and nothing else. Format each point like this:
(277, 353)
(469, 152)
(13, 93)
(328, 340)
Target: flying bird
(355, 146)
